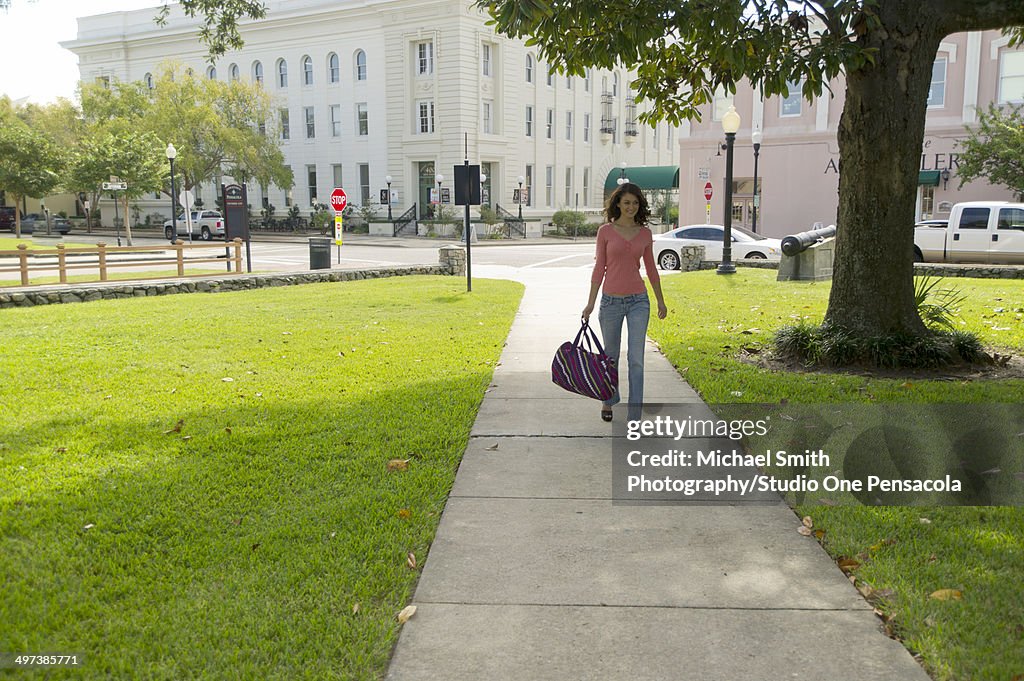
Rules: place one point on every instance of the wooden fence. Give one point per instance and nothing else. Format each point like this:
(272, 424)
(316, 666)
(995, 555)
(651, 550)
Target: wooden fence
(43, 260)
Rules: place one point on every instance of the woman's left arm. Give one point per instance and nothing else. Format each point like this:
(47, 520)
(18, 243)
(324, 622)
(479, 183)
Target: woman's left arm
(654, 277)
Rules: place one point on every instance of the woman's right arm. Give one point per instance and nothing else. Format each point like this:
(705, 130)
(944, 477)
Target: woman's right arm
(598, 274)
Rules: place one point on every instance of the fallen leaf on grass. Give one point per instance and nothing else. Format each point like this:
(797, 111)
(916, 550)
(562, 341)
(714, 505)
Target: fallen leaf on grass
(227, 429)
(255, 546)
(89, 526)
(947, 595)
(176, 428)
(807, 521)
(186, 437)
(355, 609)
(805, 531)
(848, 564)
(819, 533)
(410, 560)
(61, 450)
(405, 514)
(227, 379)
(398, 464)
(924, 521)
(407, 612)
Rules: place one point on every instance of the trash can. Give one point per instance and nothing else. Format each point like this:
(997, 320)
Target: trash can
(319, 253)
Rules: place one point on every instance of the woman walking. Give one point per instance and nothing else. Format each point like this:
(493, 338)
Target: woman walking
(622, 242)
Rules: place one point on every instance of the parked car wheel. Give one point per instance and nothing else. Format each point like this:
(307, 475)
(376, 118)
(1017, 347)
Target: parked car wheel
(668, 260)
(756, 256)
(207, 234)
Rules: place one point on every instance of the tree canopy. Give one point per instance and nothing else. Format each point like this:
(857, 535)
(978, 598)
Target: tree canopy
(995, 149)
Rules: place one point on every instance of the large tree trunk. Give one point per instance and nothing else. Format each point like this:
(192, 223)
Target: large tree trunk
(880, 138)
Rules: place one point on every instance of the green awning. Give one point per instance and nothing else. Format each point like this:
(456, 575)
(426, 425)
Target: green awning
(646, 177)
(929, 177)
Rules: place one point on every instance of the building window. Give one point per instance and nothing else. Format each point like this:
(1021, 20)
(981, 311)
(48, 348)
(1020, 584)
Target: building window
(529, 121)
(425, 58)
(927, 202)
(588, 75)
(364, 184)
(721, 103)
(551, 124)
(568, 82)
(103, 81)
(257, 72)
(529, 184)
(669, 135)
(937, 89)
(654, 137)
(282, 73)
(529, 68)
(551, 77)
(607, 122)
(792, 105)
(307, 70)
(586, 128)
(335, 110)
(1011, 77)
(149, 81)
(485, 59)
(363, 119)
(568, 186)
(336, 174)
(233, 72)
(488, 114)
(568, 125)
(360, 65)
(631, 129)
(586, 185)
(311, 183)
(333, 68)
(310, 123)
(211, 72)
(425, 116)
(549, 185)
(285, 131)
(615, 84)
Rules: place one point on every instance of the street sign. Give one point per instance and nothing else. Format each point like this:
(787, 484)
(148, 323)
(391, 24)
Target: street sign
(338, 229)
(704, 174)
(707, 191)
(339, 199)
(115, 186)
(707, 211)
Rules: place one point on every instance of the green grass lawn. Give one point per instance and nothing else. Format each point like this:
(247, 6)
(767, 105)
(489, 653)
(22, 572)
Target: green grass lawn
(116, 276)
(9, 243)
(199, 486)
(904, 554)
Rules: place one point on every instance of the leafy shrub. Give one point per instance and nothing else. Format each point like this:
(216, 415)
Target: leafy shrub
(568, 221)
(489, 216)
(937, 306)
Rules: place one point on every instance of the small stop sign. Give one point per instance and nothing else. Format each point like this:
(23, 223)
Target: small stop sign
(339, 199)
(707, 191)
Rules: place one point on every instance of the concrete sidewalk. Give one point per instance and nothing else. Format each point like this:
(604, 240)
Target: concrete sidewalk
(536, 574)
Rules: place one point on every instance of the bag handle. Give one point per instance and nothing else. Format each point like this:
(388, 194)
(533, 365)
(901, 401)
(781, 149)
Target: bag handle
(589, 337)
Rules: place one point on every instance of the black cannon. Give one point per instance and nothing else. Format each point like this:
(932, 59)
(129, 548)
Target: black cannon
(798, 243)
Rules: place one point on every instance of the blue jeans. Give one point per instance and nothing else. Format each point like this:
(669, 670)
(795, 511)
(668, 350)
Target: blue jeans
(636, 310)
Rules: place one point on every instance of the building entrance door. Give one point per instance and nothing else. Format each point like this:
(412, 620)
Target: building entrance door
(426, 183)
(743, 211)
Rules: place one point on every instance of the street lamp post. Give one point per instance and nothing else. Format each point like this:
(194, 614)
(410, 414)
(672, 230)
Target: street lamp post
(756, 139)
(521, 179)
(730, 124)
(388, 180)
(440, 178)
(622, 174)
(172, 154)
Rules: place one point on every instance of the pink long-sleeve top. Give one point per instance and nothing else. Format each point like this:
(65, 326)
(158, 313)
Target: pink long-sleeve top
(618, 261)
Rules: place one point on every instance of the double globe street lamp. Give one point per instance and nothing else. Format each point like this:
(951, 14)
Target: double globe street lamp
(730, 125)
(172, 154)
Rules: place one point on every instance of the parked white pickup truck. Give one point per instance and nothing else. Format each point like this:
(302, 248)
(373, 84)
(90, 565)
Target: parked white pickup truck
(977, 231)
(205, 223)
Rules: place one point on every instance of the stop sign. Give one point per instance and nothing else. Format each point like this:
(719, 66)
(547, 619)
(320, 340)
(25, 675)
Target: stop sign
(339, 199)
(707, 191)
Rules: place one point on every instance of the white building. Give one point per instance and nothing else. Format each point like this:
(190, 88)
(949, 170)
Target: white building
(381, 88)
(798, 163)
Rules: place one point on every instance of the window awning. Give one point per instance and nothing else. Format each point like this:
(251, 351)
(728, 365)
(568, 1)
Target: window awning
(929, 177)
(646, 177)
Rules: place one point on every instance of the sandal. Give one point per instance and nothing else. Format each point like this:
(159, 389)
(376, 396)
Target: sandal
(606, 414)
